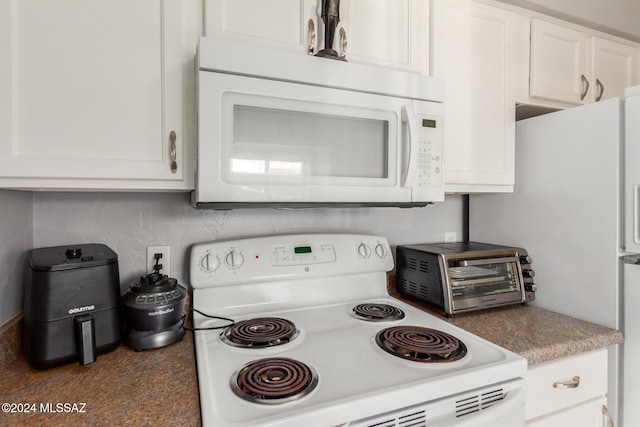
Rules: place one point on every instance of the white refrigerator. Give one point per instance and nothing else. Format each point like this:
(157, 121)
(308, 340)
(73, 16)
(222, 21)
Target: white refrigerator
(576, 210)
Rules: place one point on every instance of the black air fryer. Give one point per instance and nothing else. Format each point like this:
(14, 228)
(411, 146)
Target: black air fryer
(72, 305)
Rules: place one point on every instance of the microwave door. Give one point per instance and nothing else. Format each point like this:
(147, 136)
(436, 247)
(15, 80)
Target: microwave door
(262, 141)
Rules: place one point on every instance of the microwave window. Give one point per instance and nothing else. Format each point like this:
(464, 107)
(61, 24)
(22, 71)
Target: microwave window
(275, 142)
(482, 280)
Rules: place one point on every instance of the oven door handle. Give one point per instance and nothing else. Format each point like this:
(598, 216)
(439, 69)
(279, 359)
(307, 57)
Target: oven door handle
(492, 415)
(409, 118)
(465, 263)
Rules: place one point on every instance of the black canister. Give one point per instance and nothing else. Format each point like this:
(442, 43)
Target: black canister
(72, 304)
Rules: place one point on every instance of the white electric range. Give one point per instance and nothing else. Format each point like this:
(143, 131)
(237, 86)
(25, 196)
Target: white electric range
(317, 341)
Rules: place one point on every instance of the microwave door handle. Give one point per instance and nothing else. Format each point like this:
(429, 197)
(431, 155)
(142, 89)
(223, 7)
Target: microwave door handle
(412, 145)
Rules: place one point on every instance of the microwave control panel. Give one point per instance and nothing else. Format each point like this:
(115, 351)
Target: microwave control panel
(430, 143)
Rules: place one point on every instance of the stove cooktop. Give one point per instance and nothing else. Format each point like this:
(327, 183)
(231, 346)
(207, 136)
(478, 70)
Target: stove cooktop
(313, 282)
(353, 371)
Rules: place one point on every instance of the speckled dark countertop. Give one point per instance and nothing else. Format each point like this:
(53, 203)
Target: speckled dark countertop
(159, 387)
(123, 387)
(534, 333)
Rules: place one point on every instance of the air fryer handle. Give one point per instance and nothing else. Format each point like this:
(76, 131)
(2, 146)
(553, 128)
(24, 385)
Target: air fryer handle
(85, 338)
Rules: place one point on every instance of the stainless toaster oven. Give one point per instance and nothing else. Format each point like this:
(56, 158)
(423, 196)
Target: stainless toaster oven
(464, 276)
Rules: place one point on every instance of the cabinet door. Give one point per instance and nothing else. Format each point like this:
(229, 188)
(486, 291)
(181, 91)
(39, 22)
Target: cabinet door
(615, 67)
(560, 66)
(473, 50)
(277, 23)
(588, 414)
(392, 33)
(90, 92)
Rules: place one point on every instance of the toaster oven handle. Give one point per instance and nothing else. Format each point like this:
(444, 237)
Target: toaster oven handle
(412, 144)
(465, 263)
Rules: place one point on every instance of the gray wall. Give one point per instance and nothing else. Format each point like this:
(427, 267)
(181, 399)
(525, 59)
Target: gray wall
(129, 222)
(16, 238)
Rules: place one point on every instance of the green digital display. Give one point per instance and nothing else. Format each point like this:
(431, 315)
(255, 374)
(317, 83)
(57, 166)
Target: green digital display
(302, 249)
(428, 123)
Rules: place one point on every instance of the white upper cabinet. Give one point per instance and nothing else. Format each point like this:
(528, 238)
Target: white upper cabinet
(473, 50)
(91, 95)
(572, 66)
(615, 67)
(559, 63)
(392, 33)
(280, 23)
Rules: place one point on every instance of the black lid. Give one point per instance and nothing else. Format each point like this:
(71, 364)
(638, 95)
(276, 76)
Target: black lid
(57, 258)
(153, 283)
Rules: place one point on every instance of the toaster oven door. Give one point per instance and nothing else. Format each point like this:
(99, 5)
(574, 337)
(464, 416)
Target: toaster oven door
(481, 283)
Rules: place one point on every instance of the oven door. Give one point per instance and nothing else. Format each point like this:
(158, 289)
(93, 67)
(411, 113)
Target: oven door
(484, 282)
(282, 143)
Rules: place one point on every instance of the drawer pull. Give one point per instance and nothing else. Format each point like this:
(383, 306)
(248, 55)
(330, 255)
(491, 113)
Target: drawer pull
(573, 383)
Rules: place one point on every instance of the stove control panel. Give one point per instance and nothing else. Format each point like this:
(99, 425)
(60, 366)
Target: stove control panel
(270, 258)
(308, 253)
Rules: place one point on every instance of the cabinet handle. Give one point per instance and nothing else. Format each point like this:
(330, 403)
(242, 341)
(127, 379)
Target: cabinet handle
(573, 383)
(600, 87)
(343, 43)
(174, 165)
(585, 85)
(607, 417)
(312, 37)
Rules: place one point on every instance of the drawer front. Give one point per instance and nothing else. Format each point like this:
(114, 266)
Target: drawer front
(555, 385)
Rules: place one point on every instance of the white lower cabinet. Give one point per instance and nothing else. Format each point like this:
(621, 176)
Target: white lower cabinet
(569, 392)
(588, 414)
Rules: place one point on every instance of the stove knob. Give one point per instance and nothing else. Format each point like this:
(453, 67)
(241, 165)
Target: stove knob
(234, 259)
(528, 273)
(380, 250)
(363, 250)
(209, 263)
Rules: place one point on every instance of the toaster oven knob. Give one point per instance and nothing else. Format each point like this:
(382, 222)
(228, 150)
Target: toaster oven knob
(525, 259)
(363, 250)
(209, 263)
(234, 259)
(380, 250)
(528, 273)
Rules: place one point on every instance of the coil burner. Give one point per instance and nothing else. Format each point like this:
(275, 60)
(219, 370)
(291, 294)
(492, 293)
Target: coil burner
(375, 312)
(420, 344)
(274, 380)
(260, 332)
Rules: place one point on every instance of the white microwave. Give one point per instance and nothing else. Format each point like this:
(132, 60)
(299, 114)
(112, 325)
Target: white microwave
(282, 129)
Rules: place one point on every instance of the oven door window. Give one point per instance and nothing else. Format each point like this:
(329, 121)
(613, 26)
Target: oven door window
(294, 141)
(481, 280)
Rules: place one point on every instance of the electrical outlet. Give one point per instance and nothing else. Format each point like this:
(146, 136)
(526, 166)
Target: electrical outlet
(450, 236)
(165, 260)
